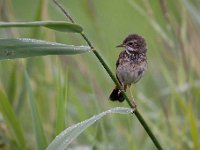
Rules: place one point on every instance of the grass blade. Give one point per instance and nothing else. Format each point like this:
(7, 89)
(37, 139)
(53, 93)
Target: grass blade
(11, 93)
(152, 22)
(11, 120)
(61, 103)
(193, 11)
(23, 48)
(193, 127)
(39, 131)
(68, 135)
(55, 25)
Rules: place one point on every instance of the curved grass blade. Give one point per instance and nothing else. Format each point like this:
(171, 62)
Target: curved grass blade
(39, 131)
(68, 135)
(11, 120)
(23, 48)
(55, 25)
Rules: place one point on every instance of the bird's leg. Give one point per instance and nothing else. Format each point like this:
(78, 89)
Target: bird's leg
(133, 101)
(123, 89)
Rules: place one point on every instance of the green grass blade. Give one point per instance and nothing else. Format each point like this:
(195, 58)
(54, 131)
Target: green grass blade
(39, 131)
(68, 135)
(193, 127)
(55, 25)
(11, 120)
(23, 48)
(11, 93)
(61, 103)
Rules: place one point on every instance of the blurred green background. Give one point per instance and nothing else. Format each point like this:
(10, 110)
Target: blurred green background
(168, 96)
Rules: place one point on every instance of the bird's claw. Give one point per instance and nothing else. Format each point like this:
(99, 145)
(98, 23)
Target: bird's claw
(120, 91)
(134, 105)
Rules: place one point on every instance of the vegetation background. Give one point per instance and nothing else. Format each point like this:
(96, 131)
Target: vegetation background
(168, 96)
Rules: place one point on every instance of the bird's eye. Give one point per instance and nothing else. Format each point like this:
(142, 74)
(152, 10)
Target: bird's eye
(131, 43)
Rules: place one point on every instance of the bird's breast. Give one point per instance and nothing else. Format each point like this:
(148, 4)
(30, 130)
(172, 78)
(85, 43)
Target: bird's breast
(129, 72)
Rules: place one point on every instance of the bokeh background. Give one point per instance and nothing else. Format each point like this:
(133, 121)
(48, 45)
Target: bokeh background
(168, 96)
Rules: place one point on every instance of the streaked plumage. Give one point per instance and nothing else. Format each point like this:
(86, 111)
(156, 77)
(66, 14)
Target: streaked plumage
(131, 64)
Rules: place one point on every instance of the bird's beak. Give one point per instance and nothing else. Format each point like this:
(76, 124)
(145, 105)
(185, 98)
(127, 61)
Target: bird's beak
(121, 45)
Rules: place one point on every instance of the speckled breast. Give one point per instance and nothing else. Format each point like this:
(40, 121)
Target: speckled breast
(131, 68)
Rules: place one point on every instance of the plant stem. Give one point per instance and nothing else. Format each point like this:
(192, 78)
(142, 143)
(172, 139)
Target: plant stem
(147, 129)
(136, 112)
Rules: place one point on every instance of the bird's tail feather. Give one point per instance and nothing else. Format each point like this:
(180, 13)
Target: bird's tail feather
(116, 95)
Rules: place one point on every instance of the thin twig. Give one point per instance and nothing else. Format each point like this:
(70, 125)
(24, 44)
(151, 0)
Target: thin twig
(64, 11)
(136, 112)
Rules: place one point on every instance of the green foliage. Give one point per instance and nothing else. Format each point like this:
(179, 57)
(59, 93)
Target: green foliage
(9, 116)
(168, 95)
(23, 48)
(38, 128)
(62, 89)
(55, 25)
(63, 140)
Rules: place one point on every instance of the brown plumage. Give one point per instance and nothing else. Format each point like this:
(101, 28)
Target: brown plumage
(131, 64)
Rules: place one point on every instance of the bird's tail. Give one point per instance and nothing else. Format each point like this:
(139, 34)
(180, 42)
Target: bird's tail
(116, 95)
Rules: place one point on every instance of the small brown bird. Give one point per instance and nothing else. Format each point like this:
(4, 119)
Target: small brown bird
(131, 64)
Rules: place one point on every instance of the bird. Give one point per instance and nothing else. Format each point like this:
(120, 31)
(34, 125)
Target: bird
(131, 64)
